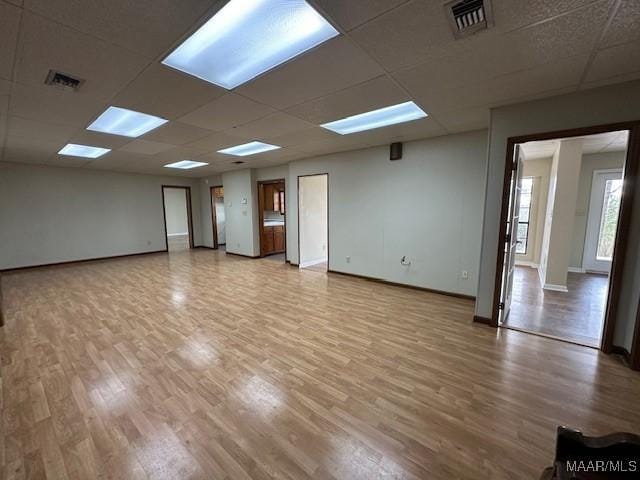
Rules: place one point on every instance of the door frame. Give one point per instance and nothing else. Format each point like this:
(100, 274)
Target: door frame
(328, 215)
(187, 193)
(630, 180)
(591, 225)
(214, 217)
(261, 184)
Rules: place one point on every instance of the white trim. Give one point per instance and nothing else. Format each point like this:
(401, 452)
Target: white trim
(555, 288)
(527, 263)
(313, 262)
(576, 270)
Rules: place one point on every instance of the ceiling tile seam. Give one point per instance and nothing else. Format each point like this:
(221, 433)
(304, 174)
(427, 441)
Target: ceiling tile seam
(555, 17)
(95, 37)
(390, 76)
(13, 75)
(613, 10)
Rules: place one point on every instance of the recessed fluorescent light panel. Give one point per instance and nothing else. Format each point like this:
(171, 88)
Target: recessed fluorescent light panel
(250, 148)
(120, 121)
(186, 164)
(249, 37)
(403, 112)
(85, 151)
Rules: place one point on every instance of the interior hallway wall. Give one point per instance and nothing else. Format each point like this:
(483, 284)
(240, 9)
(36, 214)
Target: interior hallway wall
(240, 195)
(205, 207)
(427, 207)
(54, 214)
(606, 105)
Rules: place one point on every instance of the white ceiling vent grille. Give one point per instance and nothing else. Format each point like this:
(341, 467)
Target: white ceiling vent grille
(469, 16)
(62, 80)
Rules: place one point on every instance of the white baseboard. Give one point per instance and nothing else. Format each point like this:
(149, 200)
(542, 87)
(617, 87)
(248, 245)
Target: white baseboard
(527, 263)
(555, 288)
(576, 270)
(312, 262)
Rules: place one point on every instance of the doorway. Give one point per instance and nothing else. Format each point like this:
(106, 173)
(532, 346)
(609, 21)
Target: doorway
(313, 222)
(218, 218)
(272, 219)
(562, 235)
(178, 223)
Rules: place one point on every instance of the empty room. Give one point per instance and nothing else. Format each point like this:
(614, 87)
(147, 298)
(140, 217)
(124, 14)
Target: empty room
(319, 239)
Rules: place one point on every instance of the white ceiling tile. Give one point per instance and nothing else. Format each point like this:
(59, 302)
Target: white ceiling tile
(412, 33)
(216, 141)
(148, 27)
(301, 137)
(176, 133)
(625, 26)
(51, 105)
(330, 67)
(350, 14)
(29, 150)
(5, 87)
(40, 131)
(98, 139)
(16, 2)
(226, 112)
(512, 14)
(66, 161)
(44, 45)
(615, 61)
(166, 93)
(464, 120)
(117, 160)
(503, 89)
(146, 147)
(373, 94)
(270, 126)
(9, 24)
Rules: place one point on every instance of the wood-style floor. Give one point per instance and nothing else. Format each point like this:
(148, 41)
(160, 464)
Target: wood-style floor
(201, 365)
(576, 315)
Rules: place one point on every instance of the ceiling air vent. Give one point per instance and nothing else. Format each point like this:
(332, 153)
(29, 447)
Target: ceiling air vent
(63, 80)
(238, 162)
(469, 16)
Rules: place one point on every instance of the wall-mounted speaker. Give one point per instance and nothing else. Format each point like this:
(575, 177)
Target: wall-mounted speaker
(395, 151)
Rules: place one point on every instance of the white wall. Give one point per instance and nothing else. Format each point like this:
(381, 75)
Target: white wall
(312, 208)
(600, 106)
(175, 207)
(240, 194)
(205, 207)
(51, 214)
(427, 207)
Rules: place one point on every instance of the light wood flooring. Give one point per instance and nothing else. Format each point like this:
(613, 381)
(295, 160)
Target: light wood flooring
(576, 316)
(201, 365)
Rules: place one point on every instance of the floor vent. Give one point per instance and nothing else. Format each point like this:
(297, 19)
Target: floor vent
(62, 80)
(469, 16)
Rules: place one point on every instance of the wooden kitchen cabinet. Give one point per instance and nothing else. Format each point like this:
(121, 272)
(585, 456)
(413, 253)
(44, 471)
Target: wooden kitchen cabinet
(268, 240)
(278, 238)
(268, 197)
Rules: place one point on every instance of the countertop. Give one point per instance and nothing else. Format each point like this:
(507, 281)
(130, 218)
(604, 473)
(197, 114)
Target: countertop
(273, 223)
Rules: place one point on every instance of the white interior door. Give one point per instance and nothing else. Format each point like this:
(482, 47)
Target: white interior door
(602, 220)
(511, 240)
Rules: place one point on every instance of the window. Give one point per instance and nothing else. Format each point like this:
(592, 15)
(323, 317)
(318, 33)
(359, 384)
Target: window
(524, 214)
(609, 219)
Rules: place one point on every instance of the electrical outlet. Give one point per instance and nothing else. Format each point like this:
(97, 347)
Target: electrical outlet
(465, 274)
(348, 259)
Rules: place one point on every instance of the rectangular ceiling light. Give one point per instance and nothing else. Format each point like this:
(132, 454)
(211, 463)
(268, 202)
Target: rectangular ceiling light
(250, 148)
(85, 151)
(249, 37)
(186, 164)
(403, 112)
(120, 121)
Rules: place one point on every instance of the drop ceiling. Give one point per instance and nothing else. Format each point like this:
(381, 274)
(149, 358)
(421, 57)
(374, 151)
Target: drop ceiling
(388, 52)
(597, 143)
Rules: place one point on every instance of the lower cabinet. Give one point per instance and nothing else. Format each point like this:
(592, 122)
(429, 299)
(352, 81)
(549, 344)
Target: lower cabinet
(273, 239)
